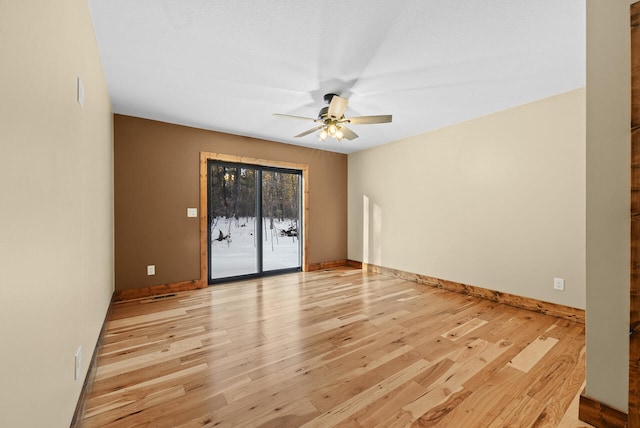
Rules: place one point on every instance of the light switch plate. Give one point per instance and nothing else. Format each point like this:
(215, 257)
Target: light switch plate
(151, 270)
(192, 212)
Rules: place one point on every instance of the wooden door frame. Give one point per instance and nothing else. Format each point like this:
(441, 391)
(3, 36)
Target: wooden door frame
(207, 156)
(634, 277)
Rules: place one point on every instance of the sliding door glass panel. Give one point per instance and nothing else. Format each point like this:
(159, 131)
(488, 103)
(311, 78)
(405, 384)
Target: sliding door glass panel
(280, 220)
(255, 223)
(232, 221)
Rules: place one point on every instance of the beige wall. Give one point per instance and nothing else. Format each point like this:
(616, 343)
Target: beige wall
(608, 206)
(157, 177)
(496, 202)
(56, 208)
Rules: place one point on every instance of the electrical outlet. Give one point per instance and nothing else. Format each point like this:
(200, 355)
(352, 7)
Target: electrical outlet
(78, 364)
(80, 91)
(558, 284)
(151, 270)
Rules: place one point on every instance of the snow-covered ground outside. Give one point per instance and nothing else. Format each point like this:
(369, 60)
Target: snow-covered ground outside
(236, 253)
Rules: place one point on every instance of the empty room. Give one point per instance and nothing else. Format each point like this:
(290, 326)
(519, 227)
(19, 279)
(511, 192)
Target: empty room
(287, 214)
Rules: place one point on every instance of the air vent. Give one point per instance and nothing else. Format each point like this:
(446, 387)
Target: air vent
(163, 296)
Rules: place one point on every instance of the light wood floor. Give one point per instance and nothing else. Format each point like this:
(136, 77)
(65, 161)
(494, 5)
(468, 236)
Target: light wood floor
(335, 348)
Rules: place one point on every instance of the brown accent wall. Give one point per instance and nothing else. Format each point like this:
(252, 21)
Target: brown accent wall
(157, 179)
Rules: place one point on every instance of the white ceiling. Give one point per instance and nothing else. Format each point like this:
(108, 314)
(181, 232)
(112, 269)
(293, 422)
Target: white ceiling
(227, 65)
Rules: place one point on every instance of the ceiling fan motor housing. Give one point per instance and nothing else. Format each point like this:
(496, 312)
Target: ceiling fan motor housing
(328, 98)
(324, 113)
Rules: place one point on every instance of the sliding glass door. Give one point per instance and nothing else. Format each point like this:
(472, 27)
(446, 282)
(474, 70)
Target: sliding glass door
(254, 219)
(232, 220)
(280, 220)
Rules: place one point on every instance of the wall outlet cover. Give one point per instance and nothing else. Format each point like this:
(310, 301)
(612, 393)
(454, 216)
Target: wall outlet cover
(558, 284)
(80, 91)
(151, 270)
(78, 364)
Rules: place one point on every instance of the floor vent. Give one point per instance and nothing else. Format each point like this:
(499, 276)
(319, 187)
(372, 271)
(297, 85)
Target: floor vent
(163, 296)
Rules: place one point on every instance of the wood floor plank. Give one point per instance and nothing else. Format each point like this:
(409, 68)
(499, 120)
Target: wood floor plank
(347, 408)
(451, 382)
(341, 347)
(380, 409)
(530, 356)
(480, 399)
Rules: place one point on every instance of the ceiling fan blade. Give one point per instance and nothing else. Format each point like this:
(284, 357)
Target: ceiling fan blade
(347, 133)
(290, 116)
(337, 107)
(365, 120)
(302, 134)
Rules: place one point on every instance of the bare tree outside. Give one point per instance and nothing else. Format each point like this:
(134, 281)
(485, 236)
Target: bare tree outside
(233, 222)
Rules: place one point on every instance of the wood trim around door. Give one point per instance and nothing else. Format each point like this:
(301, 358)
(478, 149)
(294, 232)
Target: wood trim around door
(207, 156)
(634, 279)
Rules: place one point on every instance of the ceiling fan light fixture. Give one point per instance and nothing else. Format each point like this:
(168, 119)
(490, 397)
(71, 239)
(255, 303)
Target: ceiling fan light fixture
(331, 119)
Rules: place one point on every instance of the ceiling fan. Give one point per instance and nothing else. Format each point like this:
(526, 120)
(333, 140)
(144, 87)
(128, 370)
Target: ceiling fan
(332, 121)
